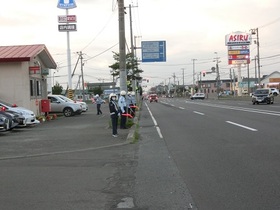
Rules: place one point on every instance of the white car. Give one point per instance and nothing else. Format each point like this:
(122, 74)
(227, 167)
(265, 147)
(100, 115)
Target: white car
(198, 96)
(274, 91)
(29, 116)
(83, 104)
(59, 105)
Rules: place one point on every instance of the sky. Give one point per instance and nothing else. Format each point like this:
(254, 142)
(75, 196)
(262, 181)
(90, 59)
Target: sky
(191, 29)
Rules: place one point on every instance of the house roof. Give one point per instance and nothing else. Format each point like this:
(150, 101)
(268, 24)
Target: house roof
(21, 53)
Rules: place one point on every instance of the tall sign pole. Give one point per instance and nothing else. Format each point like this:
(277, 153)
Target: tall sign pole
(123, 85)
(68, 4)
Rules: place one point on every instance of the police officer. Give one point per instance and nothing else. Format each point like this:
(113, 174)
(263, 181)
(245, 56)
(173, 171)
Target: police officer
(98, 102)
(114, 112)
(123, 109)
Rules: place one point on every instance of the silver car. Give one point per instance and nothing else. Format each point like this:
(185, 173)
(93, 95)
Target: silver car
(59, 105)
(83, 104)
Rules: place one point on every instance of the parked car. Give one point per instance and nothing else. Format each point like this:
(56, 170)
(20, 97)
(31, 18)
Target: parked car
(153, 97)
(19, 118)
(198, 96)
(275, 91)
(59, 105)
(83, 104)
(263, 95)
(3, 122)
(29, 116)
(9, 120)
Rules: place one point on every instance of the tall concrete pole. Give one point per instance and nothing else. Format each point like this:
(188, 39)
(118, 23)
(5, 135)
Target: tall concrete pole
(193, 60)
(70, 91)
(123, 85)
(258, 51)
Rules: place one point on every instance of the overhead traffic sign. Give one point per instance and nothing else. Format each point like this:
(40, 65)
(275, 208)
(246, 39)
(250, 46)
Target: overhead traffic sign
(153, 51)
(66, 4)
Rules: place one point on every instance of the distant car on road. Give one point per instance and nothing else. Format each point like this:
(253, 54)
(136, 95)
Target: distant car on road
(153, 97)
(198, 96)
(263, 95)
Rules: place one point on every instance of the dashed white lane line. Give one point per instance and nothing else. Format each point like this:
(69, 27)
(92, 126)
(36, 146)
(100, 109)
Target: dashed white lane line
(155, 122)
(242, 126)
(200, 113)
(181, 107)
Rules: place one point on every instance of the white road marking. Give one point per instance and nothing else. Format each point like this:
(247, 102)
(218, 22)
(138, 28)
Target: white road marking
(259, 111)
(181, 108)
(155, 122)
(242, 126)
(200, 113)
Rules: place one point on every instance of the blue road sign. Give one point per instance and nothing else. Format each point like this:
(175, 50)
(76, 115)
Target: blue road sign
(153, 51)
(66, 4)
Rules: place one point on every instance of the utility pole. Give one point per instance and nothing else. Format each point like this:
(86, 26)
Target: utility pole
(255, 31)
(234, 83)
(230, 76)
(183, 70)
(82, 73)
(217, 60)
(123, 75)
(174, 78)
(132, 50)
(193, 60)
(248, 91)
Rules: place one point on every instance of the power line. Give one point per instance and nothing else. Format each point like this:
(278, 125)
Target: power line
(99, 32)
(102, 52)
(270, 23)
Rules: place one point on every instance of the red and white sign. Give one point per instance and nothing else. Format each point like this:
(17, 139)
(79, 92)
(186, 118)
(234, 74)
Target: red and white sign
(238, 38)
(67, 19)
(238, 57)
(34, 69)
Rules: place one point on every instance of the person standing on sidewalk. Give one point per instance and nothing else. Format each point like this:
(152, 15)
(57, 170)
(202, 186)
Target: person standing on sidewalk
(128, 102)
(123, 109)
(133, 103)
(114, 113)
(98, 102)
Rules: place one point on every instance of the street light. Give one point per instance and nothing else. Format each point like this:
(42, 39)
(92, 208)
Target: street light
(255, 31)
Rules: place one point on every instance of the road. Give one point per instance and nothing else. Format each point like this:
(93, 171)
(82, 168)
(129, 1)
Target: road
(227, 152)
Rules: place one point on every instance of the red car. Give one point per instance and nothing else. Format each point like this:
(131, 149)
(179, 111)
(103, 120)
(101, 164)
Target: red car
(153, 97)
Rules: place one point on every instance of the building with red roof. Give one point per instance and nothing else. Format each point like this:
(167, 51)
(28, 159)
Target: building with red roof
(23, 74)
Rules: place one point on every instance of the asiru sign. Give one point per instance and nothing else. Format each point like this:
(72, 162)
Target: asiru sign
(238, 38)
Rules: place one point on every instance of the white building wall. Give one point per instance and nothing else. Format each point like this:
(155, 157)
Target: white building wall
(14, 82)
(15, 85)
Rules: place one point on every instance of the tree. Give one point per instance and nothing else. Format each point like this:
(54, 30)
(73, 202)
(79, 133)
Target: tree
(57, 89)
(131, 66)
(97, 90)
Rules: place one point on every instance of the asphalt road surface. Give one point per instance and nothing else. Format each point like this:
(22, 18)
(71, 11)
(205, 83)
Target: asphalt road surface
(227, 152)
